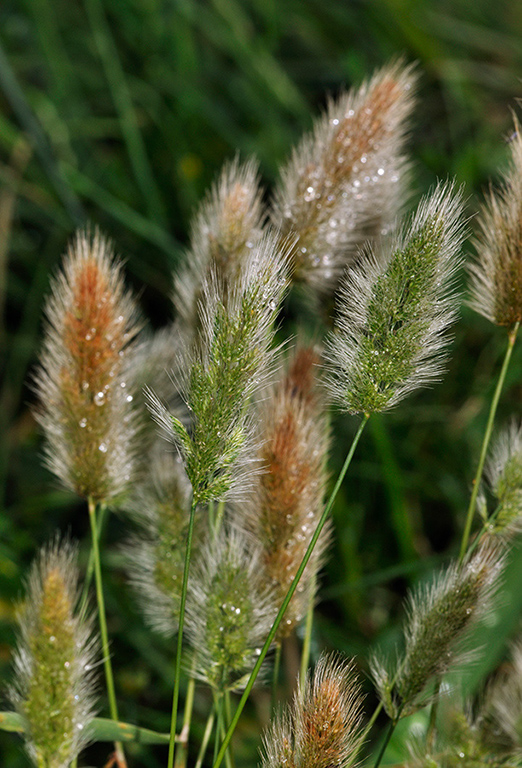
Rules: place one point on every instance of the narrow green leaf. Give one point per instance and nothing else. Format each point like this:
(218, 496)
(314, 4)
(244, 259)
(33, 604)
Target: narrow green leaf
(101, 729)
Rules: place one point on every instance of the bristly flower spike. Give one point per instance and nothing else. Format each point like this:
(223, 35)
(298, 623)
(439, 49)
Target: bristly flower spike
(287, 499)
(155, 554)
(86, 408)
(394, 306)
(54, 685)
(439, 616)
(496, 275)
(228, 224)
(322, 727)
(229, 610)
(221, 372)
(345, 181)
(504, 474)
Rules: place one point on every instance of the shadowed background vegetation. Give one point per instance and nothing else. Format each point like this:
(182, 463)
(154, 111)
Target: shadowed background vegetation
(120, 114)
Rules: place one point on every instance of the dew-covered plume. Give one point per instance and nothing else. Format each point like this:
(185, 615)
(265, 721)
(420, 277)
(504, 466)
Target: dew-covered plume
(287, 498)
(227, 225)
(54, 684)
(439, 615)
(322, 726)
(229, 609)
(394, 307)
(345, 182)
(496, 275)
(86, 406)
(222, 370)
(155, 554)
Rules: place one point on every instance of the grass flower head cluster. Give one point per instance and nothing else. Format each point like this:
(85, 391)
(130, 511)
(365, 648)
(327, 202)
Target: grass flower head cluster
(232, 513)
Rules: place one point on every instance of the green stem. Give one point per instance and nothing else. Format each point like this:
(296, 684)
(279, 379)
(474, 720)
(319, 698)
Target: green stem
(307, 641)
(113, 707)
(289, 595)
(90, 563)
(206, 738)
(485, 442)
(275, 676)
(228, 720)
(389, 734)
(182, 748)
(430, 735)
(177, 671)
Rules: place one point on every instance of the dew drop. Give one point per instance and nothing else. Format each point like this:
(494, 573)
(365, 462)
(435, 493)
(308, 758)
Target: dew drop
(380, 172)
(363, 158)
(99, 398)
(129, 398)
(85, 385)
(334, 121)
(52, 639)
(102, 447)
(83, 423)
(309, 194)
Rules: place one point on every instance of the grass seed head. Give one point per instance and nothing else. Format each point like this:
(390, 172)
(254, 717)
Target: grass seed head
(344, 182)
(86, 407)
(496, 275)
(394, 307)
(54, 686)
(229, 610)
(321, 728)
(155, 555)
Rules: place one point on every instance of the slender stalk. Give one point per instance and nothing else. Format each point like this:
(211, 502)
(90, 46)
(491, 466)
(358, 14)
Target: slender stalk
(206, 738)
(113, 707)
(228, 720)
(389, 734)
(177, 671)
(305, 651)
(275, 676)
(182, 748)
(430, 736)
(485, 442)
(90, 563)
(289, 595)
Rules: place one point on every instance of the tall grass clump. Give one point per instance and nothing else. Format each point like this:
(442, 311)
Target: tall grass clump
(214, 436)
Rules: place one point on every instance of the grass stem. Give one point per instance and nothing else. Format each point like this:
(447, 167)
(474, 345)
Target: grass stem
(113, 707)
(485, 442)
(177, 668)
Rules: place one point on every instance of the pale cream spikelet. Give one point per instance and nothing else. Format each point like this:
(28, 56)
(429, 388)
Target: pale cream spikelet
(227, 225)
(322, 726)
(288, 494)
(230, 610)
(345, 182)
(439, 616)
(54, 684)
(496, 275)
(155, 554)
(504, 700)
(85, 406)
(504, 474)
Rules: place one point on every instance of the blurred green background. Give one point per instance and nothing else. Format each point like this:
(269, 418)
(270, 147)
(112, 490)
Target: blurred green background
(120, 113)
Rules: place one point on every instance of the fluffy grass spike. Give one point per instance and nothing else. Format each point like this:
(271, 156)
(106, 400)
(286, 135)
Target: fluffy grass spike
(496, 275)
(346, 179)
(86, 407)
(54, 684)
(322, 726)
(394, 307)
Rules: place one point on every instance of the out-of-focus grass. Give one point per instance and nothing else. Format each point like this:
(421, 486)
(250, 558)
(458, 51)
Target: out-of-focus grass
(120, 114)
